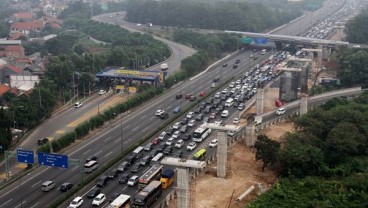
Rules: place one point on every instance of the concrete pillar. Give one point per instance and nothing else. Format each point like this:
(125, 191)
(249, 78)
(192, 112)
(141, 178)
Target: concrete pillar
(259, 101)
(319, 59)
(183, 188)
(221, 154)
(250, 133)
(303, 104)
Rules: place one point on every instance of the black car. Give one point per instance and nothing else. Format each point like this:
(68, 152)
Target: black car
(42, 141)
(130, 159)
(145, 160)
(136, 168)
(199, 117)
(235, 104)
(102, 181)
(168, 150)
(184, 121)
(237, 61)
(66, 187)
(124, 178)
(186, 137)
(123, 166)
(94, 192)
(235, 66)
(224, 65)
(164, 116)
(94, 158)
(223, 97)
(221, 107)
(153, 153)
(113, 173)
(179, 96)
(178, 154)
(198, 110)
(207, 109)
(161, 147)
(170, 131)
(206, 119)
(113, 197)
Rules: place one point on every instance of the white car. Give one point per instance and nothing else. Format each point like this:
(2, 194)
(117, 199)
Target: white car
(170, 141)
(191, 146)
(78, 104)
(159, 112)
(191, 123)
(236, 120)
(213, 143)
(232, 84)
(77, 202)
(224, 91)
(224, 113)
(102, 92)
(213, 85)
(218, 122)
(230, 133)
(133, 180)
(99, 199)
(190, 115)
(179, 144)
(177, 125)
(176, 134)
(162, 135)
(280, 111)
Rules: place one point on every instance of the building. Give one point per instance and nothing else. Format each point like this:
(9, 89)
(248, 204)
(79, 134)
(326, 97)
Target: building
(8, 70)
(23, 16)
(26, 27)
(14, 51)
(3, 89)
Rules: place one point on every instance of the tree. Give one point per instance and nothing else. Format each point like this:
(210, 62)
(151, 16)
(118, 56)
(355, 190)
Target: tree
(4, 30)
(266, 150)
(5, 133)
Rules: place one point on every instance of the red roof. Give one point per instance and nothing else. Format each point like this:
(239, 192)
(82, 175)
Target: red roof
(4, 89)
(13, 68)
(16, 36)
(14, 48)
(27, 25)
(23, 15)
(23, 60)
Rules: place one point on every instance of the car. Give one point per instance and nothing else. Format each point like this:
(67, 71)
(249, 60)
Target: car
(176, 126)
(198, 110)
(66, 187)
(224, 91)
(241, 106)
(191, 123)
(224, 113)
(224, 65)
(164, 116)
(77, 202)
(136, 168)
(161, 147)
(124, 178)
(148, 147)
(130, 159)
(216, 79)
(94, 158)
(218, 122)
(133, 180)
(206, 119)
(191, 146)
(155, 141)
(186, 137)
(177, 109)
(178, 154)
(231, 133)
(236, 120)
(113, 173)
(192, 98)
(217, 95)
(98, 200)
(113, 197)
(199, 117)
(42, 141)
(178, 96)
(176, 134)
(162, 135)
(237, 61)
(78, 104)
(153, 153)
(213, 143)
(102, 181)
(102, 92)
(170, 141)
(212, 115)
(168, 150)
(159, 112)
(94, 192)
(280, 111)
(179, 144)
(213, 85)
(183, 129)
(145, 160)
(201, 94)
(190, 115)
(184, 121)
(235, 66)
(123, 166)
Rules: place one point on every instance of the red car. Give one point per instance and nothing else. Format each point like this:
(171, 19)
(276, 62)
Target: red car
(201, 94)
(192, 98)
(155, 141)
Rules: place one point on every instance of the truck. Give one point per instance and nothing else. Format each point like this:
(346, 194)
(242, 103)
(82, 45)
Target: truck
(122, 201)
(164, 67)
(167, 177)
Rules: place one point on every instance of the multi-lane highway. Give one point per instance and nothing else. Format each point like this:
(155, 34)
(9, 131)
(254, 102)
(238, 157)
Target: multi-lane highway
(26, 192)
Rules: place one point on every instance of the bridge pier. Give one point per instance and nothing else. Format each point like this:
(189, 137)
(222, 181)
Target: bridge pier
(221, 154)
(259, 101)
(250, 135)
(303, 104)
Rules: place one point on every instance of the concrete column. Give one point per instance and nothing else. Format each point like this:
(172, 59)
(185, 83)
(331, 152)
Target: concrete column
(183, 188)
(250, 135)
(221, 154)
(259, 101)
(319, 59)
(303, 104)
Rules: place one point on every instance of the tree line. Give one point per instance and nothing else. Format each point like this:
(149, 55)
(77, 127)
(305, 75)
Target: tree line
(357, 28)
(323, 163)
(241, 16)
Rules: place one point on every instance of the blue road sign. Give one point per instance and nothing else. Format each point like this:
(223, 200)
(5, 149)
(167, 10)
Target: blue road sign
(260, 40)
(25, 156)
(53, 160)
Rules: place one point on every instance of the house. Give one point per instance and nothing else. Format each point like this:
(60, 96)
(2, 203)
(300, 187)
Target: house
(8, 70)
(3, 89)
(14, 51)
(26, 27)
(23, 16)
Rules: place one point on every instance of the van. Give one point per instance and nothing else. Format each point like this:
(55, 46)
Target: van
(137, 152)
(47, 185)
(102, 181)
(156, 159)
(229, 102)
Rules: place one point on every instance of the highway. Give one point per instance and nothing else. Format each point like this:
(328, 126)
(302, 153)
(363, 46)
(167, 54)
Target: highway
(108, 142)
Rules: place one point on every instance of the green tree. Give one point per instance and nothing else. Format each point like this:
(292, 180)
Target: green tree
(5, 133)
(266, 150)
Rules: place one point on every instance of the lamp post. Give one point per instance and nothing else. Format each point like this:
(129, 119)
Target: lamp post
(121, 134)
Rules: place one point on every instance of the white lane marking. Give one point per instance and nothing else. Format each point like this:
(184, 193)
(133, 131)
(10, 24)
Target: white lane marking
(135, 128)
(124, 188)
(117, 140)
(105, 140)
(21, 204)
(35, 205)
(36, 184)
(98, 152)
(6, 202)
(87, 151)
(24, 182)
(75, 168)
(151, 118)
(87, 191)
(127, 126)
(108, 154)
(142, 117)
(169, 106)
(145, 128)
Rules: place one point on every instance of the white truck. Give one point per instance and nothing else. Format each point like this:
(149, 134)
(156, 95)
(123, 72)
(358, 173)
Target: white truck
(164, 67)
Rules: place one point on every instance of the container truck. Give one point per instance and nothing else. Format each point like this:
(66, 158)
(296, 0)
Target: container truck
(167, 177)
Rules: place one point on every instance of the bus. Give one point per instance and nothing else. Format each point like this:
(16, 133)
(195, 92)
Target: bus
(122, 201)
(200, 155)
(200, 134)
(147, 196)
(156, 159)
(150, 175)
(90, 166)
